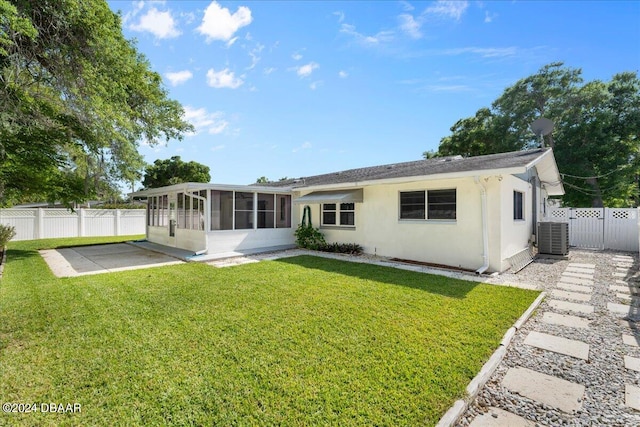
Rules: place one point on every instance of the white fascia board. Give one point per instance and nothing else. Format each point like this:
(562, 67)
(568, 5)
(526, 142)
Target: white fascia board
(194, 186)
(548, 173)
(408, 179)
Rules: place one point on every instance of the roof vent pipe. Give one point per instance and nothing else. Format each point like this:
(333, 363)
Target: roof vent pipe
(485, 226)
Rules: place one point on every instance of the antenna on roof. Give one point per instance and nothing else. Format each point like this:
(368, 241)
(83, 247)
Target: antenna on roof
(542, 127)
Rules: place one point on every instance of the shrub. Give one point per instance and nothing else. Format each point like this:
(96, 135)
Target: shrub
(7, 232)
(309, 238)
(342, 248)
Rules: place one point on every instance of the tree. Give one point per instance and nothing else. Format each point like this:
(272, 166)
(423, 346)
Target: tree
(595, 138)
(76, 99)
(262, 180)
(174, 171)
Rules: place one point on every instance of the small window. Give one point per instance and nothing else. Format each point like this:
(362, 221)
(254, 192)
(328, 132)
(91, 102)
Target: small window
(348, 214)
(442, 204)
(518, 205)
(329, 214)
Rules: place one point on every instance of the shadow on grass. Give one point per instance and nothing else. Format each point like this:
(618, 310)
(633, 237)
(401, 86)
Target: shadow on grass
(441, 285)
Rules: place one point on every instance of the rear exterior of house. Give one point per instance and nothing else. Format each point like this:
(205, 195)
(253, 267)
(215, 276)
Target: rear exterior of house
(471, 213)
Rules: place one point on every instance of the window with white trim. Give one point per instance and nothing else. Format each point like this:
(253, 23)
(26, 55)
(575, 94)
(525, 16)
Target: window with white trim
(339, 214)
(518, 205)
(430, 204)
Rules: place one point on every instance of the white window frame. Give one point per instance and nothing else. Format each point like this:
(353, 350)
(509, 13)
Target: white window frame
(338, 210)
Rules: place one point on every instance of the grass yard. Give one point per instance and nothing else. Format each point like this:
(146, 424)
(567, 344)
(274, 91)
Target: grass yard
(299, 341)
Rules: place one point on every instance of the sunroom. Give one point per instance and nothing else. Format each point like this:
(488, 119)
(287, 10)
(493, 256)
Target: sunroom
(216, 219)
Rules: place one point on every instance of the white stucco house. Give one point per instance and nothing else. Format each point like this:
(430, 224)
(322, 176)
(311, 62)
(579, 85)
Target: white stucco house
(472, 213)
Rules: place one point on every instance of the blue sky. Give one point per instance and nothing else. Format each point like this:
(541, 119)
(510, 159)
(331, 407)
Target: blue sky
(295, 89)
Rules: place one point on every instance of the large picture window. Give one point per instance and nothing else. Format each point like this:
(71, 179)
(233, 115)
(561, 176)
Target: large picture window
(431, 204)
(518, 205)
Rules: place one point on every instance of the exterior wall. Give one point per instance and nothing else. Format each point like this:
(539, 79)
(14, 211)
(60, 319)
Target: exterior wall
(380, 231)
(234, 240)
(515, 234)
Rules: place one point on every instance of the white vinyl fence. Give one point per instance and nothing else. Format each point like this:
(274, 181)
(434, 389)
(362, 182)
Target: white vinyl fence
(600, 228)
(47, 223)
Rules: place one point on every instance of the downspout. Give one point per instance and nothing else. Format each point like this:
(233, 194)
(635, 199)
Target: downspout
(485, 226)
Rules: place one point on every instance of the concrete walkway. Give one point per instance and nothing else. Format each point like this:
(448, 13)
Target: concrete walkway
(569, 307)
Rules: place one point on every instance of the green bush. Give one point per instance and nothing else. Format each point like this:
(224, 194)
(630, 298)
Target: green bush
(7, 232)
(309, 238)
(342, 248)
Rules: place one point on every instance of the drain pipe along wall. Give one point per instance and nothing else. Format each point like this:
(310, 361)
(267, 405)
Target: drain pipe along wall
(485, 226)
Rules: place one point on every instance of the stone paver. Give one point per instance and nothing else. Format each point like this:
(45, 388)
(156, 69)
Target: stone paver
(619, 308)
(575, 288)
(632, 363)
(582, 270)
(578, 275)
(583, 265)
(556, 293)
(565, 320)
(576, 280)
(630, 340)
(632, 396)
(617, 274)
(571, 306)
(625, 289)
(573, 348)
(626, 297)
(546, 389)
(497, 417)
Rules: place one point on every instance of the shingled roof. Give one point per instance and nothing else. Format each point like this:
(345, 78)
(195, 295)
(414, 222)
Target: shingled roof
(434, 166)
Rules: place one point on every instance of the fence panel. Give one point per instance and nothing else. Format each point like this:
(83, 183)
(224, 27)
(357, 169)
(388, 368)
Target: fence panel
(49, 222)
(621, 227)
(586, 228)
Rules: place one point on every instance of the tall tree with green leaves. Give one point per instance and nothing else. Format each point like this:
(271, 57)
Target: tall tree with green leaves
(596, 137)
(174, 171)
(76, 100)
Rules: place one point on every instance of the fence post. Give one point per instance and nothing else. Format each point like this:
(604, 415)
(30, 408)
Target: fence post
(81, 225)
(117, 222)
(38, 229)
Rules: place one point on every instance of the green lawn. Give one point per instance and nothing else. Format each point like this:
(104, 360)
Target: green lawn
(299, 341)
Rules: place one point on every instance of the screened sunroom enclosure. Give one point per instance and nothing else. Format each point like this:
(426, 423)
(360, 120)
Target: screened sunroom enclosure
(213, 219)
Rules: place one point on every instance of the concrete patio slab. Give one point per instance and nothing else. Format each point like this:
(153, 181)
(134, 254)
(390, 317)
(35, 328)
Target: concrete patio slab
(565, 320)
(83, 260)
(571, 306)
(557, 293)
(578, 275)
(616, 274)
(576, 280)
(575, 288)
(546, 389)
(573, 348)
(632, 363)
(630, 340)
(632, 396)
(497, 417)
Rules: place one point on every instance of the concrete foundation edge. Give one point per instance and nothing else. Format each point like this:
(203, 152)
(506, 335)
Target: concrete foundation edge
(452, 416)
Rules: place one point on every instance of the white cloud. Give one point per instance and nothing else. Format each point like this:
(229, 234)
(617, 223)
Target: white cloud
(222, 79)
(340, 15)
(255, 56)
(380, 37)
(231, 42)
(489, 17)
(448, 8)
(448, 88)
(410, 26)
(178, 77)
(296, 56)
(269, 70)
(343, 74)
(217, 147)
(316, 84)
(307, 69)
(485, 52)
(219, 23)
(160, 24)
(406, 6)
(212, 123)
(305, 146)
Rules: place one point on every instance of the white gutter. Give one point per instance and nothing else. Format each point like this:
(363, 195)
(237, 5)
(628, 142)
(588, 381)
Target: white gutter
(485, 226)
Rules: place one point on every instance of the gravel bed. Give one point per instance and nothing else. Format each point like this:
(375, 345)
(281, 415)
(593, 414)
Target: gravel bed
(603, 375)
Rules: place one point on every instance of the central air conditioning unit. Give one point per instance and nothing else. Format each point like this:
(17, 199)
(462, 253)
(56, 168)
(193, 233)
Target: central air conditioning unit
(553, 238)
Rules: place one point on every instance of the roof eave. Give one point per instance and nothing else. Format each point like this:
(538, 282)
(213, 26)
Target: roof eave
(193, 186)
